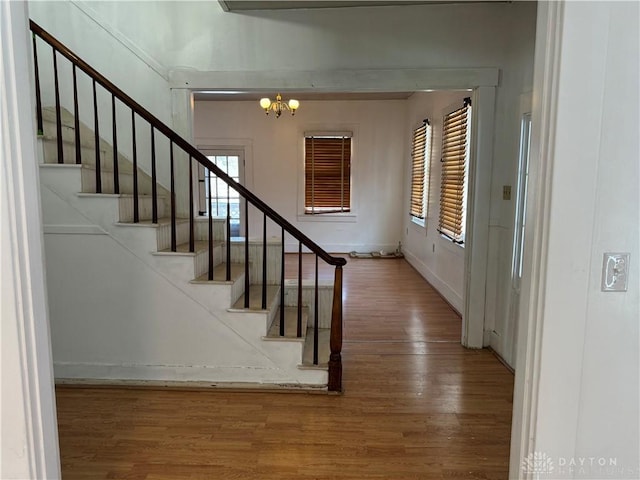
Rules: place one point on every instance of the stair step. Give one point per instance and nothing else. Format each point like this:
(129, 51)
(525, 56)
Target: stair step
(220, 274)
(162, 222)
(324, 350)
(183, 249)
(255, 298)
(290, 324)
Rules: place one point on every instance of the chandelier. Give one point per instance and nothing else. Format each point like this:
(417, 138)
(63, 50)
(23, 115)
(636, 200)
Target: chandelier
(279, 106)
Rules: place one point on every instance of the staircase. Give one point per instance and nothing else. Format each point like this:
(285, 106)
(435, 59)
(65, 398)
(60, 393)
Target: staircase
(141, 291)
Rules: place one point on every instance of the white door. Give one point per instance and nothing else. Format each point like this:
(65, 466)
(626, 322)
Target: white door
(214, 194)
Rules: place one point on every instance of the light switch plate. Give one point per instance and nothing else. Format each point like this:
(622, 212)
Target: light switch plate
(615, 272)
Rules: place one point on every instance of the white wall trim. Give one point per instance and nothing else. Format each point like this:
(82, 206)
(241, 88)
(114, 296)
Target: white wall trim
(29, 437)
(530, 321)
(66, 371)
(151, 62)
(478, 216)
(387, 80)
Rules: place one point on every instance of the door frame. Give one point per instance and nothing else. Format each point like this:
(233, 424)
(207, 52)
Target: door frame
(531, 310)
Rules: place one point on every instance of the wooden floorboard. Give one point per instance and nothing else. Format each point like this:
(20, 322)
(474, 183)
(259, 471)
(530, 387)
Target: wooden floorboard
(416, 405)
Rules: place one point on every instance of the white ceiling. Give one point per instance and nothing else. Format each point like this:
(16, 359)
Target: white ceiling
(249, 5)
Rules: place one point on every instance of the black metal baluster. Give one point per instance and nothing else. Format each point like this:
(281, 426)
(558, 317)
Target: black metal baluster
(209, 209)
(40, 125)
(76, 117)
(282, 286)
(154, 186)
(136, 208)
(246, 254)
(96, 130)
(316, 320)
(299, 329)
(264, 262)
(116, 175)
(192, 234)
(228, 233)
(173, 201)
(58, 113)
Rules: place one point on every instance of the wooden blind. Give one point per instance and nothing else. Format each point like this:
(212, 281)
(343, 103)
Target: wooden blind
(419, 172)
(453, 187)
(327, 175)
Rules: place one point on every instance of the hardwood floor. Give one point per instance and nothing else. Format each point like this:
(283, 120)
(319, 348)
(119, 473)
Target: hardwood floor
(416, 405)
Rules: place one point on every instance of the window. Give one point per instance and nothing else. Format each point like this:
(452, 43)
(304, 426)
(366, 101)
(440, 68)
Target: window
(456, 131)
(327, 173)
(218, 196)
(521, 199)
(420, 160)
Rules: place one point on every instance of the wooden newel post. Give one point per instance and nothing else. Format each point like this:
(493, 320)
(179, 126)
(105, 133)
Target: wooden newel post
(335, 342)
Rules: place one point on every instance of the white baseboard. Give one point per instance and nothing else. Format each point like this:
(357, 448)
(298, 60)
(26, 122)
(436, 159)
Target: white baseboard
(454, 299)
(66, 372)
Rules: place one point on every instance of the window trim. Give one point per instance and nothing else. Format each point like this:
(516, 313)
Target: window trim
(328, 129)
(452, 226)
(426, 172)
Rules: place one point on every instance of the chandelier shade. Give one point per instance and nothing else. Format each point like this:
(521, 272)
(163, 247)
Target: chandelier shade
(279, 106)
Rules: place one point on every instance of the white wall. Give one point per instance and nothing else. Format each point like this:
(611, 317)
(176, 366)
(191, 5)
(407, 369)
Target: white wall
(439, 260)
(275, 165)
(102, 45)
(79, 26)
(200, 36)
(590, 342)
(117, 318)
(586, 392)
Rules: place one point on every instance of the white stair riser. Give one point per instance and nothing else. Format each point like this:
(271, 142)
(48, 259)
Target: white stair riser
(219, 229)
(201, 261)
(145, 208)
(164, 234)
(325, 301)
(274, 261)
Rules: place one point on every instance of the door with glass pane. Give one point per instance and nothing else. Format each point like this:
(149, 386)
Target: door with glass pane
(518, 239)
(215, 196)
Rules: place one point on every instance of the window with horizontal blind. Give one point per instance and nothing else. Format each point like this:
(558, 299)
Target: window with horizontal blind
(327, 173)
(420, 160)
(456, 136)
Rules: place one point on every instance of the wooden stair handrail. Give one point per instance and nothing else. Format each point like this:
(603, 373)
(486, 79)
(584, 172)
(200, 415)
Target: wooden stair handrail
(185, 145)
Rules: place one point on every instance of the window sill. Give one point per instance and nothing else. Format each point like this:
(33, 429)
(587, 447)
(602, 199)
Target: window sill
(418, 222)
(329, 217)
(453, 245)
